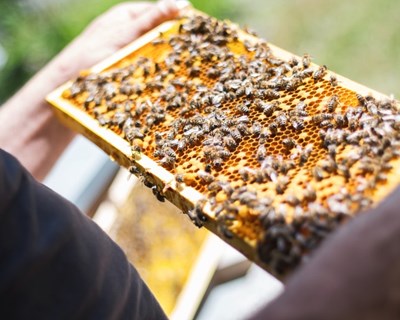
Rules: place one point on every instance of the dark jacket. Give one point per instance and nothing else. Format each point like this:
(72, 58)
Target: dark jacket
(55, 263)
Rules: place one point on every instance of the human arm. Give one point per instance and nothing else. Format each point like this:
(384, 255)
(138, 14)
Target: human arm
(58, 264)
(355, 274)
(29, 129)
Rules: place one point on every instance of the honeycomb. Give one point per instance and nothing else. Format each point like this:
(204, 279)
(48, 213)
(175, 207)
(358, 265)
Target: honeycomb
(282, 150)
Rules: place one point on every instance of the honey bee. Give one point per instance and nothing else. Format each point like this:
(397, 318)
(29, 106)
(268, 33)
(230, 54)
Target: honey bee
(282, 119)
(132, 133)
(167, 161)
(319, 73)
(214, 186)
(160, 197)
(109, 91)
(306, 60)
(169, 152)
(194, 71)
(289, 143)
(310, 194)
(279, 83)
(224, 154)
(285, 166)
(243, 129)
(380, 177)
(133, 169)
(281, 184)
(217, 99)
(333, 80)
(179, 177)
(371, 108)
(205, 176)
(236, 135)
(136, 150)
(224, 230)
(265, 134)
(150, 120)
(340, 120)
(273, 128)
(329, 165)
(361, 99)
(297, 123)
(332, 103)
(213, 73)
(217, 163)
(301, 106)
(242, 119)
(293, 84)
(304, 73)
(192, 214)
(229, 142)
(293, 61)
(267, 108)
(248, 198)
(326, 124)
(140, 108)
(256, 128)
(261, 152)
(292, 200)
(318, 118)
(271, 94)
(305, 154)
(158, 153)
(243, 108)
(248, 89)
(119, 118)
(367, 167)
(332, 150)
(355, 137)
(344, 171)
(208, 168)
(318, 173)
(146, 70)
(247, 173)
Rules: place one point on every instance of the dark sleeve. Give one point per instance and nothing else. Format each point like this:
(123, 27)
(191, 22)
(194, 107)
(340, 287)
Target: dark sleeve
(55, 263)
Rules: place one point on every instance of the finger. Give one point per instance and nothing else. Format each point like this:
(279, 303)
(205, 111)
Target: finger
(125, 12)
(133, 9)
(138, 8)
(161, 12)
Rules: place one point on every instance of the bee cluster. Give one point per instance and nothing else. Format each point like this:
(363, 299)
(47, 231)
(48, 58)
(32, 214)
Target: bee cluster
(280, 150)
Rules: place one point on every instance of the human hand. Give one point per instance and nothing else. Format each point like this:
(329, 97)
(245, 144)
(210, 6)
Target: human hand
(110, 32)
(45, 137)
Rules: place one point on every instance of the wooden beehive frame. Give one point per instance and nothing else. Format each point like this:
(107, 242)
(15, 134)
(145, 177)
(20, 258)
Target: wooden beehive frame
(119, 149)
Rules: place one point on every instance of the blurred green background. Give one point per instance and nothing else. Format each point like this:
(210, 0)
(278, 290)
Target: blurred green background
(358, 39)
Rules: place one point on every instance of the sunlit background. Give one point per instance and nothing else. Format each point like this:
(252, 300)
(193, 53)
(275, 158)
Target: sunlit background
(358, 39)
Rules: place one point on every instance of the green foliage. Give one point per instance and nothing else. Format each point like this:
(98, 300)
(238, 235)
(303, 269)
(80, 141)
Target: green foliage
(31, 36)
